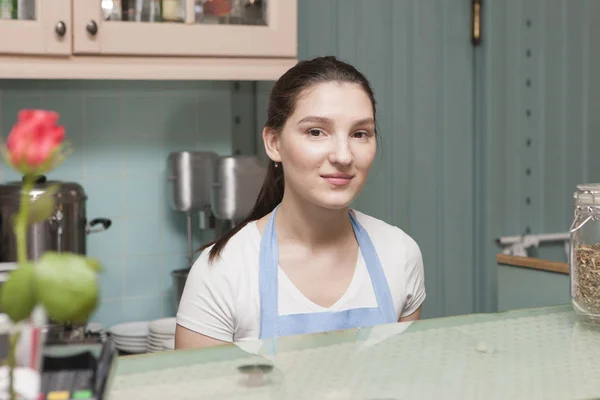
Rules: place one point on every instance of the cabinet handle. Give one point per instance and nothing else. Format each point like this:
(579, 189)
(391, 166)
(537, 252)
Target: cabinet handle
(60, 28)
(92, 27)
(476, 23)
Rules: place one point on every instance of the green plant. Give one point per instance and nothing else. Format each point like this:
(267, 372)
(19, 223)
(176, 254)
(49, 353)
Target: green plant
(64, 284)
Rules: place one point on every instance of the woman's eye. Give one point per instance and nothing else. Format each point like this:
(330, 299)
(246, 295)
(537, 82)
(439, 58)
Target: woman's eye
(361, 134)
(315, 132)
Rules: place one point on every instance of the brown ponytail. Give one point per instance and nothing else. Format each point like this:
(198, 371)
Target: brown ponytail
(270, 195)
(282, 102)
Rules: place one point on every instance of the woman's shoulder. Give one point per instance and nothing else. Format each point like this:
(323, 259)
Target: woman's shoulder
(238, 250)
(378, 226)
(385, 234)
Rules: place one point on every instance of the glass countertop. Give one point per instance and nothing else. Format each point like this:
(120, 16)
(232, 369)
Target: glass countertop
(530, 354)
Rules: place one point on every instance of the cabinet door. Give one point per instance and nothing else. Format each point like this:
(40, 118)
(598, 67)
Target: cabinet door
(216, 28)
(35, 27)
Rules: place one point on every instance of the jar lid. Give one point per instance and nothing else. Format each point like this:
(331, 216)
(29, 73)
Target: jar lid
(587, 194)
(68, 192)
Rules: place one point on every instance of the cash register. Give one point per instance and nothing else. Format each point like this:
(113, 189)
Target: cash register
(77, 364)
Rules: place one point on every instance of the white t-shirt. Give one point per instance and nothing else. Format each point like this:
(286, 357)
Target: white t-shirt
(221, 299)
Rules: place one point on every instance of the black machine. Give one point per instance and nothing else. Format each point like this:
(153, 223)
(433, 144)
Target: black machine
(76, 364)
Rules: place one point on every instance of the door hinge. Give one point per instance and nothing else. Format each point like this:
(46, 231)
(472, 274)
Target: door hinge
(476, 22)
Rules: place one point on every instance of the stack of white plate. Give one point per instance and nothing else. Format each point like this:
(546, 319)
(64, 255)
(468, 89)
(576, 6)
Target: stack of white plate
(161, 335)
(130, 337)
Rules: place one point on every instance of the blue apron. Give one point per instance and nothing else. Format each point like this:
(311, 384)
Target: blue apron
(272, 325)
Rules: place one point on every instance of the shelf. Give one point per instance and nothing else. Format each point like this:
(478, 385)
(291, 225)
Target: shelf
(533, 263)
(143, 68)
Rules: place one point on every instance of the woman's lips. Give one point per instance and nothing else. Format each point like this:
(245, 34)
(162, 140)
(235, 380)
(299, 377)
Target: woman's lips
(337, 179)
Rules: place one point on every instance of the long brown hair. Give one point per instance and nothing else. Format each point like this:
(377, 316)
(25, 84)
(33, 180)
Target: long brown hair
(282, 102)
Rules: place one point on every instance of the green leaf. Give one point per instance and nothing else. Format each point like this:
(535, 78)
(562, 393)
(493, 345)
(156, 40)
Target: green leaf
(18, 293)
(66, 286)
(42, 207)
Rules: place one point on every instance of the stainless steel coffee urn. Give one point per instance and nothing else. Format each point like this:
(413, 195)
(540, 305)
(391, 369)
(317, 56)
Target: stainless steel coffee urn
(65, 230)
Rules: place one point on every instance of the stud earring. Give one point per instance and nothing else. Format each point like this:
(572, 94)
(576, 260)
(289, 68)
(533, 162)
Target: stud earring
(275, 164)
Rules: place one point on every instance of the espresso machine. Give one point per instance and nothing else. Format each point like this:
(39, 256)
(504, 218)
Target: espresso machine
(219, 190)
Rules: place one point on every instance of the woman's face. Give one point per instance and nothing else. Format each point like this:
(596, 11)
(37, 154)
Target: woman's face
(327, 145)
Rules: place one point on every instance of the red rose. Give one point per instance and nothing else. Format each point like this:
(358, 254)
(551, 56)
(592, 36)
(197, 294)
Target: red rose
(34, 140)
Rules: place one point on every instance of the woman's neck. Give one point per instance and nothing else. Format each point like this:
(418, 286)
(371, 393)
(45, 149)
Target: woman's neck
(299, 221)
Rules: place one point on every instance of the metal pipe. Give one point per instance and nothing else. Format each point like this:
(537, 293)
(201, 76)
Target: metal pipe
(548, 237)
(189, 235)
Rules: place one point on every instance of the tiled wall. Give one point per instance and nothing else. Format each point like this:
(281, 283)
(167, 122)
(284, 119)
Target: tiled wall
(122, 133)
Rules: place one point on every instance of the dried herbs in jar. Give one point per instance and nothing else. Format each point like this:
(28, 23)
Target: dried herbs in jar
(587, 284)
(585, 252)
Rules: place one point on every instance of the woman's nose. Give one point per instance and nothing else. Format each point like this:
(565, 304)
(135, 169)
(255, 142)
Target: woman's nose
(341, 152)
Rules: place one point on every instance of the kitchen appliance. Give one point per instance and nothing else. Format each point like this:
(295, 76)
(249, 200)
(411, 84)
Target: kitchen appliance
(189, 179)
(236, 184)
(222, 190)
(72, 364)
(66, 229)
(81, 368)
(189, 184)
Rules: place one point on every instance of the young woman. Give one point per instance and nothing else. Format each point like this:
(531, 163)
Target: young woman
(303, 261)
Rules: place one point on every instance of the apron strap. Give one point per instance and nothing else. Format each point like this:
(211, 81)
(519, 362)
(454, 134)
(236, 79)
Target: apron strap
(268, 279)
(378, 280)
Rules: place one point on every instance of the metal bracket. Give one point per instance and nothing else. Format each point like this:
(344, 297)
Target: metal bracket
(518, 245)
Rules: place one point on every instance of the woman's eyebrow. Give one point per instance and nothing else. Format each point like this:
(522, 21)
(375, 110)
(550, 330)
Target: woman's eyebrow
(324, 120)
(315, 119)
(365, 121)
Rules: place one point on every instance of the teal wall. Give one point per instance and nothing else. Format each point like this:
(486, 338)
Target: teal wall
(528, 288)
(539, 113)
(419, 60)
(122, 133)
(478, 142)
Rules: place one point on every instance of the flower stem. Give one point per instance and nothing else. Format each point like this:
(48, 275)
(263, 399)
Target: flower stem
(21, 221)
(20, 229)
(12, 361)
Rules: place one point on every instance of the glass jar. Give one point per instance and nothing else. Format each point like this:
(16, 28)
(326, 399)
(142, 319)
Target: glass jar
(585, 252)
